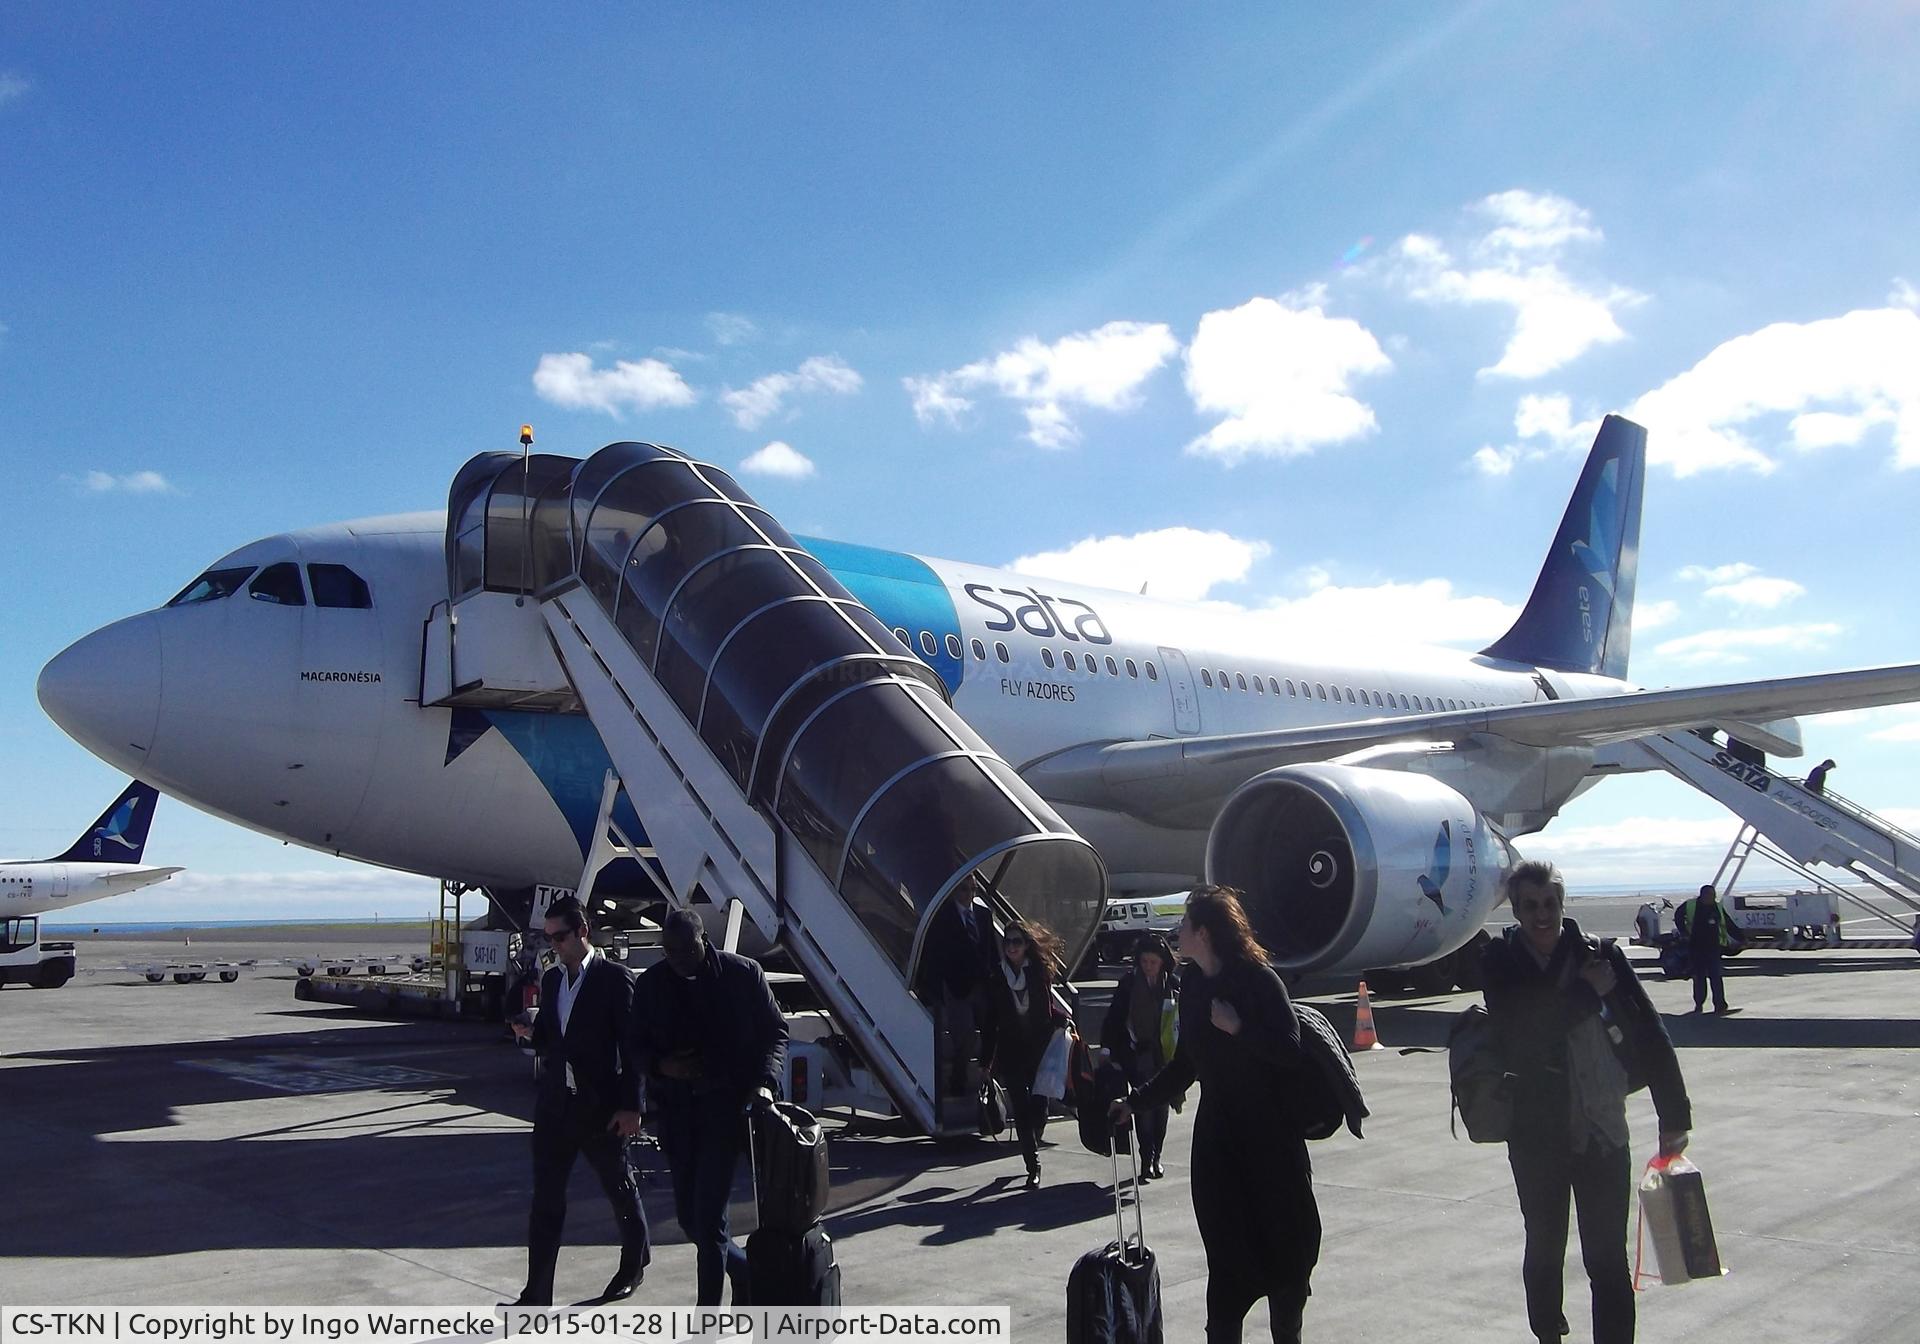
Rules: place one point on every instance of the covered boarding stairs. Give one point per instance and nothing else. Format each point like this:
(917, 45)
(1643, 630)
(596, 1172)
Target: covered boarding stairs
(1795, 826)
(781, 747)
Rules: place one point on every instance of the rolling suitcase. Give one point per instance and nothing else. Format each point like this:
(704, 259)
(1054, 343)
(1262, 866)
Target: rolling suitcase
(790, 1167)
(1113, 1294)
(792, 1269)
(789, 1263)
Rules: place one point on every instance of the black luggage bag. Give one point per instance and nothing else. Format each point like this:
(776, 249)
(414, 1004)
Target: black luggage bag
(1113, 1294)
(792, 1269)
(790, 1167)
(1098, 1133)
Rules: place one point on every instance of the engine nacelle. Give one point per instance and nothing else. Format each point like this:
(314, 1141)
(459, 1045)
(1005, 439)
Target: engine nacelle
(1346, 868)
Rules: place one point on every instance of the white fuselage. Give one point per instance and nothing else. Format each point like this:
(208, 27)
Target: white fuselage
(305, 722)
(47, 888)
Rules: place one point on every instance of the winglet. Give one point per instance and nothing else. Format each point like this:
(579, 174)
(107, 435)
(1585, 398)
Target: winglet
(1580, 616)
(120, 833)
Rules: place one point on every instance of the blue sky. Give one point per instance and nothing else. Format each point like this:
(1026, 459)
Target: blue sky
(1342, 288)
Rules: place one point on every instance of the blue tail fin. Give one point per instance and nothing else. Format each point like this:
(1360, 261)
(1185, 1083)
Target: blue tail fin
(1580, 616)
(120, 834)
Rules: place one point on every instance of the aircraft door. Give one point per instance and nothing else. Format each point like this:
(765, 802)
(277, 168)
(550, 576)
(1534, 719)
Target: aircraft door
(1186, 706)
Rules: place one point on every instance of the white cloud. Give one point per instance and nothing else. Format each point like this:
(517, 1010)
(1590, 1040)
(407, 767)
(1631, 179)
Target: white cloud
(1834, 378)
(1718, 573)
(1103, 369)
(1729, 646)
(1650, 616)
(1281, 376)
(1516, 264)
(779, 459)
(1743, 584)
(571, 381)
(731, 328)
(1545, 427)
(1903, 294)
(1491, 461)
(1633, 849)
(131, 483)
(1758, 591)
(13, 86)
(764, 397)
(1180, 564)
(1899, 732)
(1421, 611)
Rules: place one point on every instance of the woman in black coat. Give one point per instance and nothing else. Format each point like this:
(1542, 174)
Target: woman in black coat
(1133, 1038)
(1252, 1182)
(1021, 1017)
(1555, 999)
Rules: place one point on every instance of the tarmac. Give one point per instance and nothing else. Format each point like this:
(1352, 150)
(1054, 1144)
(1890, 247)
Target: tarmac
(224, 1144)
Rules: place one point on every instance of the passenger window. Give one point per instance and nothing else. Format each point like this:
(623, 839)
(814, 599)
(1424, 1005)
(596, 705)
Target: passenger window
(1273, 684)
(1133, 669)
(338, 586)
(1350, 695)
(1320, 690)
(1240, 680)
(979, 652)
(279, 584)
(906, 640)
(953, 647)
(1046, 656)
(1153, 673)
(1289, 685)
(1113, 668)
(928, 645)
(1206, 678)
(1072, 666)
(1225, 685)
(1259, 686)
(211, 586)
(1000, 652)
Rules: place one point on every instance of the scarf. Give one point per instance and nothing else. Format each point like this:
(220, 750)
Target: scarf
(1017, 982)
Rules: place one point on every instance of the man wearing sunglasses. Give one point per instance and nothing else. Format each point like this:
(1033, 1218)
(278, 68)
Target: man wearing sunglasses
(587, 1102)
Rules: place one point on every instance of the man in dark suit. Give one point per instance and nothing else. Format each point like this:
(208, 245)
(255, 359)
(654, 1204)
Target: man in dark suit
(587, 1102)
(710, 1040)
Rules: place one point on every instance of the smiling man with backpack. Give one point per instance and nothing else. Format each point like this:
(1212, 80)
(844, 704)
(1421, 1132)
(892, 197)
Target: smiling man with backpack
(1575, 1033)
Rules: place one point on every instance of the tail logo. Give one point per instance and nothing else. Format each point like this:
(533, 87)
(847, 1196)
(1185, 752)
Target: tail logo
(1602, 543)
(115, 828)
(1435, 878)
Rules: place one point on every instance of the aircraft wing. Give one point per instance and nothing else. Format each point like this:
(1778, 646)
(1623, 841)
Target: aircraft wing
(1180, 781)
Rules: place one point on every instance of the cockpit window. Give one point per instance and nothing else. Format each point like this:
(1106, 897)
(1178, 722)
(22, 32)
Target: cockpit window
(338, 586)
(212, 586)
(280, 584)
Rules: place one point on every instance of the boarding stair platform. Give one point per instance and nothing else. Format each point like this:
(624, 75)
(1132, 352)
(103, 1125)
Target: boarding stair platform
(1793, 825)
(789, 759)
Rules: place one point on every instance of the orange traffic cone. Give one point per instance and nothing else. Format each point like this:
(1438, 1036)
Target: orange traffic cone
(1364, 1036)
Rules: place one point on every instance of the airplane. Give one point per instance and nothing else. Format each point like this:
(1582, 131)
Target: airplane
(104, 861)
(1365, 802)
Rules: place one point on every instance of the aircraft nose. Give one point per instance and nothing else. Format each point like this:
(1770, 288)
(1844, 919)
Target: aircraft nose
(104, 691)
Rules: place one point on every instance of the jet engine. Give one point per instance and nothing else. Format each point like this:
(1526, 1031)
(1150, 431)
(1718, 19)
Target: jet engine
(1346, 868)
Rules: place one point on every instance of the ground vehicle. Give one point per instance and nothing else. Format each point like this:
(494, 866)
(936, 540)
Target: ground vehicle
(1129, 920)
(25, 960)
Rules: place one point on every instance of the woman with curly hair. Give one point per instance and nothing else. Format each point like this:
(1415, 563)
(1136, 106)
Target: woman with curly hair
(1021, 1018)
(1252, 1182)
